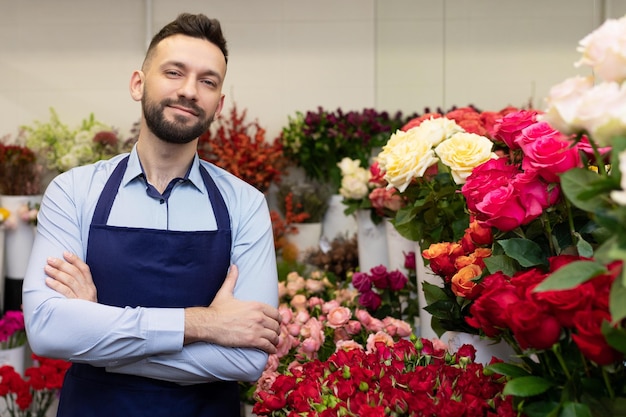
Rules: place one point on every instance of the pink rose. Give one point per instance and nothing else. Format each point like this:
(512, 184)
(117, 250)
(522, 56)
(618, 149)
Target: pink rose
(380, 276)
(484, 178)
(535, 195)
(378, 337)
(550, 154)
(354, 327)
(397, 280)
(348, 345)
(338, 317)
(329, 306)
(501, 209)
(363, 316)
(510, 126)
(361, 281)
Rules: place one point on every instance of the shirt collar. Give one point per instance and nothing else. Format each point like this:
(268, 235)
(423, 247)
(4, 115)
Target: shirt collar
(134, 171)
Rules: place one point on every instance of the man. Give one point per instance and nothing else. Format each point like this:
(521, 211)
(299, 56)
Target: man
(157, 320)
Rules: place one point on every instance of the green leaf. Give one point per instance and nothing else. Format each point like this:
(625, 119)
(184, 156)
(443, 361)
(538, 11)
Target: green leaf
(508, 369)
(579, 181)
(617, 296)
(572, 409)
(571, 275)
(502, 263)
(524, 251)
(433, 293)
(527, 386)
(616, 337)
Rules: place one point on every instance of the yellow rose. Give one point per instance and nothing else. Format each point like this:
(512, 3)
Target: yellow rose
(437, 130)
(463, 152)
(406, 155)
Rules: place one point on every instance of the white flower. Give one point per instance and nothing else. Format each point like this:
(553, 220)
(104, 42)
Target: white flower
(602, 112)
(349, 166)
(354, 180)
(604, 50)
(563, 102)
(436, 130)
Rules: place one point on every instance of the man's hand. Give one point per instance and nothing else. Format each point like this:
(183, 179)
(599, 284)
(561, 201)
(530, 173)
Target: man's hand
(71, 277)
(234, 323)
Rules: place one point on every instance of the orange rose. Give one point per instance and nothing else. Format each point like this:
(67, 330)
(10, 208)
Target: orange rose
(462, 281)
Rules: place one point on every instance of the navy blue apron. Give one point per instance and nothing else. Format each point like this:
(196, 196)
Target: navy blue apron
(151, 268)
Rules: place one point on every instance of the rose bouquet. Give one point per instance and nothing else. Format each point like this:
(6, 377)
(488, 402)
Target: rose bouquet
(427, 162)
(386, 293)
(32, 396)
(553, 286)
(366, 189)
(240, 148)
(386, 378)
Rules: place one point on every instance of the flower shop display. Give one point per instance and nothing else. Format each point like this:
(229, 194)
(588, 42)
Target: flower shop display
(387, 378)
(13, 340)
(34, 394)
(20, 174)
(241, 148)
(319, 315)
(60, 147)
(340, 257)
(317, 140)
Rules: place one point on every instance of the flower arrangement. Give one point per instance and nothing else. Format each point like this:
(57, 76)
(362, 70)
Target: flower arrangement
(59, 147)
(386, 293)
(32, 396)
(318, 140)
(20, 174)
(12, 330)
(340, 257)
(387, 378)
(366, 189)
(240, 148)
(552, 287)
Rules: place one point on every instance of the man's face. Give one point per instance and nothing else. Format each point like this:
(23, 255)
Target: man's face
(183, 88)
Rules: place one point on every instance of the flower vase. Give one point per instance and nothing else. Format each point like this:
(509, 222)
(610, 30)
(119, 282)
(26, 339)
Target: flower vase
(485, 348)
(336, 223)
(247, 411)
(18, 243)
(397, 247)
(14, 357)
(307, 237)
(371, 241)
(424, 274)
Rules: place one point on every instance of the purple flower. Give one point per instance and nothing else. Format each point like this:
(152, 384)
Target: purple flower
(362, 282)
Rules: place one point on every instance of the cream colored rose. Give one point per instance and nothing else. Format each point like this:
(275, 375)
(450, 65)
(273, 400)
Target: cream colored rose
(463, 152)
(354, 186)
(563, 102)
(604, 51)
(437, 130)
(349, 166)
(406, 156)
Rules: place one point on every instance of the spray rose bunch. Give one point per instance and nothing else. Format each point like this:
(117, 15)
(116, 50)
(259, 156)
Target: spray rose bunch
(383, 378)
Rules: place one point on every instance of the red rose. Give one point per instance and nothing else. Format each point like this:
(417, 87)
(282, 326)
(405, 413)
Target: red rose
(370, 300)
(379, 276)
(532, 325)
(397, 280)
(488, 311)
(589, 338)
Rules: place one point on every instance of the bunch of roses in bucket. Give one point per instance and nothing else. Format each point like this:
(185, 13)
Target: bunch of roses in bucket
(314, 328)
(427, 164)
(33, 395)
(386, 293)
(405, 378)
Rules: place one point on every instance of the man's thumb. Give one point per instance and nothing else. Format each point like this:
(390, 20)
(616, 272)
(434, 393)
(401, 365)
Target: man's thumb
(231, 279)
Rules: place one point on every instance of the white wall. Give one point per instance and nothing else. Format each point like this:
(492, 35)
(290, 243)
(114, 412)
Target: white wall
(289, 55)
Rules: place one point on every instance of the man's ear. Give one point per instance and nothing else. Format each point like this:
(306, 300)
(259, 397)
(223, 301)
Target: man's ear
(137, 82)
(220, 106)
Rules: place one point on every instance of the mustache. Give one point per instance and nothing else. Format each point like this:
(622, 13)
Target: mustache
(183, 102)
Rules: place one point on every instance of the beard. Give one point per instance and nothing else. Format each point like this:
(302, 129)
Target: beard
(176, 131)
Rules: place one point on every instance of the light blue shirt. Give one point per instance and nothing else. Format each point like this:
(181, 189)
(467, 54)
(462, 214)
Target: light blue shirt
(145, 341)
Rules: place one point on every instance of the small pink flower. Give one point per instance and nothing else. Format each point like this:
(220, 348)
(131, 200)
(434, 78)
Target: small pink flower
(338, 317)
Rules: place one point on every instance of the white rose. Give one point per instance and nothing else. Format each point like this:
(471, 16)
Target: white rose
(563, 102)
(437, 130)
(604, 50)
(355, 187)
(406, 155)
(349, 166)
(463, 152)
(602, 112)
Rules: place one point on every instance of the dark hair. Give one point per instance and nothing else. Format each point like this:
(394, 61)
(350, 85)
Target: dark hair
(193, 25)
